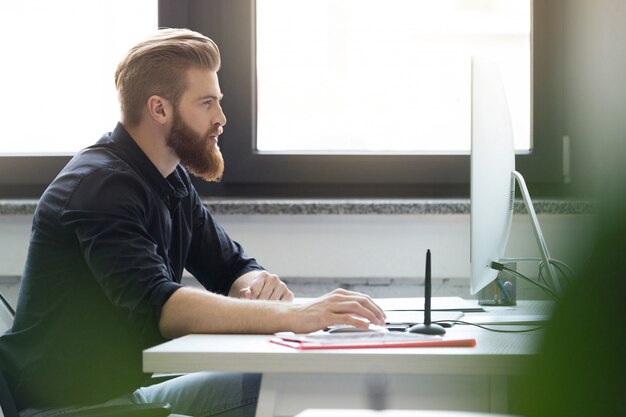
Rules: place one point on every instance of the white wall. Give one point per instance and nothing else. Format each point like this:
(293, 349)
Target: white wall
(14, 233)
(355, 246)
(384, 246)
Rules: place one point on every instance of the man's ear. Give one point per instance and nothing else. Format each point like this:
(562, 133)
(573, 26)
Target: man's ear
(159, 109)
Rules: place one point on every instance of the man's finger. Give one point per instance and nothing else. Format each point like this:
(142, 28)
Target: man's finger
(245, 293)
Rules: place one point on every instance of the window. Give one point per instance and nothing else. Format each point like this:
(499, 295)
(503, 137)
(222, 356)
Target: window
(58, 70)
(356, 76)
(343, 167)
(63, 55)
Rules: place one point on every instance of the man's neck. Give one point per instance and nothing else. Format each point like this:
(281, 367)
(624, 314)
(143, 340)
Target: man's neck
(152, 142)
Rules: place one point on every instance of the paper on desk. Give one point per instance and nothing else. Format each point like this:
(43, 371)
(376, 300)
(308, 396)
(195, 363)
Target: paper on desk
(323, 337)
(325, 340)
(506, 319)
(413, 317)
(417, 304)
(437, 304)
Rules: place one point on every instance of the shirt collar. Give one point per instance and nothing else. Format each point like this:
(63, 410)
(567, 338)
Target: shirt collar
(171, 189)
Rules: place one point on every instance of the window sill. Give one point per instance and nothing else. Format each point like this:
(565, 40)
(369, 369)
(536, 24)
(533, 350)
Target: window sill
(230, 206)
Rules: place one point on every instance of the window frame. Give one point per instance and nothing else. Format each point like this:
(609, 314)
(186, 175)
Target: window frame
(249, 173)
(231, 23)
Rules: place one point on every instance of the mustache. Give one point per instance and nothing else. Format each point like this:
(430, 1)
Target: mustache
(216, 131)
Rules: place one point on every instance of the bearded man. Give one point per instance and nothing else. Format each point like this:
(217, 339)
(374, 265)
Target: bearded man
(111, 237)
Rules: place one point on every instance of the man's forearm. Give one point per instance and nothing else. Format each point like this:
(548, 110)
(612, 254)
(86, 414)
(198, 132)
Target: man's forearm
(190, 310)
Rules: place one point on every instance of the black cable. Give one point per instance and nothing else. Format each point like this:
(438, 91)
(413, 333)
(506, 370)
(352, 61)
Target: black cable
(499, 266)
(564, 265)
(556, 264)
(566, 271)
(543, 287)
(560, 266)
(488, 328)
(563, 274)
(540, 276)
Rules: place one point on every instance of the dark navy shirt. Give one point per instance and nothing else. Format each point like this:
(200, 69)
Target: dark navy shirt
(110, 239)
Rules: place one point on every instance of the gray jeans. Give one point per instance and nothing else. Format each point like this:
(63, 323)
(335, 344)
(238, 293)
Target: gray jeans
(200, 394)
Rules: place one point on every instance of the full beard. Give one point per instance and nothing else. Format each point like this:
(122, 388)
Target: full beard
(197, 153)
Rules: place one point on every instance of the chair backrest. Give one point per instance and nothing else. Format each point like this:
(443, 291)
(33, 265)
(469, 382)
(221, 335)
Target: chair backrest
(7, 405)
(7, 314)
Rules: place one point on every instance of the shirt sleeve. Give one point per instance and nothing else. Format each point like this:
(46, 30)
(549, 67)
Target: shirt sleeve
(109, 212)
(215, 259)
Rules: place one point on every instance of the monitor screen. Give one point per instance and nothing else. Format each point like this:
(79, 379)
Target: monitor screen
(492, 163)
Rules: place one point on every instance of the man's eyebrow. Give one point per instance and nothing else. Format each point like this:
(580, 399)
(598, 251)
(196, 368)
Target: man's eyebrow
(219, 98)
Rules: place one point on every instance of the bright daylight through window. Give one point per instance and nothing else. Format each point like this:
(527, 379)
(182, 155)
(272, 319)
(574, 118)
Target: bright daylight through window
(59, 59)
(360, 76)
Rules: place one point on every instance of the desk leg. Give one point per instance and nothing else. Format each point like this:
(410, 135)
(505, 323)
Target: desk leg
(498, 394)
(288, 394)
(270, 385)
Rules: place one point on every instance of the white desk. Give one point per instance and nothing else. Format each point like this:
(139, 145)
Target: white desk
(468, 379)
(392, 413)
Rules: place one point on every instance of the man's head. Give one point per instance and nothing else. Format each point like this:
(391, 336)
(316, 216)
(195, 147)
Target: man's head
(173, 77)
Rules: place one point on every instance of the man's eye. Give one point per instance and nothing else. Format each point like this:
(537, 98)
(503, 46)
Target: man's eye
(208, 102)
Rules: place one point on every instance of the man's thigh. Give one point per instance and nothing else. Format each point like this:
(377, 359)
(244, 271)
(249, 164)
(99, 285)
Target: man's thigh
(206, 394)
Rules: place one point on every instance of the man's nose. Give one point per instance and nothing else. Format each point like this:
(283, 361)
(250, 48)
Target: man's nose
(222, 117)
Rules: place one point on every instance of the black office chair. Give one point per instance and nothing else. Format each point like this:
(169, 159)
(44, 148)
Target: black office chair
(7, 403)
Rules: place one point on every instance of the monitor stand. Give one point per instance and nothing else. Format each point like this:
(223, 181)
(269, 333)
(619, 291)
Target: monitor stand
(541, 243)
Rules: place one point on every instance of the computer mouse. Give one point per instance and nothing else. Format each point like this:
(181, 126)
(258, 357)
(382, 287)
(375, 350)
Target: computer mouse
(373, 328)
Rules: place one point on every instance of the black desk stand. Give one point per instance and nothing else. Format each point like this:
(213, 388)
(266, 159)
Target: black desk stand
(427, 327)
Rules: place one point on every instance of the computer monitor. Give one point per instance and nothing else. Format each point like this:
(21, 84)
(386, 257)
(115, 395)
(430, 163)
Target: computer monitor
(493, 178)
(492, 161)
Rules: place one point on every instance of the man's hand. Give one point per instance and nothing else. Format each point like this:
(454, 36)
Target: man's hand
(260, 285)
(338, 307)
